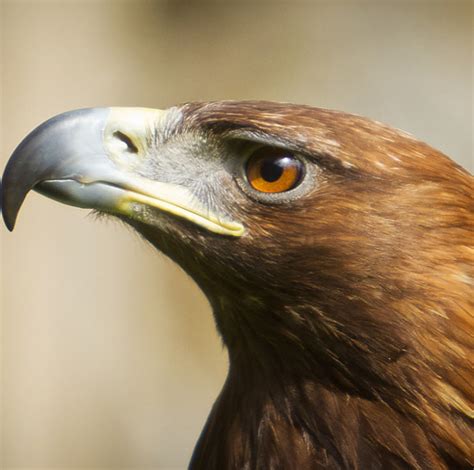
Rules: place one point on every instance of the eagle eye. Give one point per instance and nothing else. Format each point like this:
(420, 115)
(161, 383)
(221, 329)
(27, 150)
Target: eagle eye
(273, 170)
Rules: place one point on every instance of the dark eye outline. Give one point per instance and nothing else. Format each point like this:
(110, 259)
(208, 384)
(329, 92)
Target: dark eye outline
(259, 156)
(306, 183)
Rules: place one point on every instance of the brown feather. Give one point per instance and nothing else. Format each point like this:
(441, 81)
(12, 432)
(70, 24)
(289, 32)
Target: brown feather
(349, 318)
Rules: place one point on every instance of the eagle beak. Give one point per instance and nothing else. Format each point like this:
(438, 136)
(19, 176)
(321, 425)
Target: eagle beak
(86, 158)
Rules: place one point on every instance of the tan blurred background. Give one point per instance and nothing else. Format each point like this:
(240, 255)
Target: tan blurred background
(109, 354)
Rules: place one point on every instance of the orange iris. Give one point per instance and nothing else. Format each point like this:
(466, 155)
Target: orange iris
(273, 170)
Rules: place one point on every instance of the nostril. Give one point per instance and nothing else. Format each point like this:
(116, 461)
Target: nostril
(125, 139)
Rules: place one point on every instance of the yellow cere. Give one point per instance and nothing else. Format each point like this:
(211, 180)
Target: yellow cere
(136, 125)
(125, 136)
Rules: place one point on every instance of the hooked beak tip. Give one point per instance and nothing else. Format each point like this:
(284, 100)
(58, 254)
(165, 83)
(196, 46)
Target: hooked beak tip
(7, 218)
(45, 154)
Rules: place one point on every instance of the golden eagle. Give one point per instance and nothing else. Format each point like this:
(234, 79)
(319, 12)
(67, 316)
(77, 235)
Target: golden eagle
(336, 253)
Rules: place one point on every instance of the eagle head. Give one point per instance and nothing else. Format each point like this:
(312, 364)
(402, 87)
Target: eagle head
(336, 253)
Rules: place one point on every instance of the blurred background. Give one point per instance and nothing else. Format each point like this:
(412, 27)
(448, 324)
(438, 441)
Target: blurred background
(109, 353)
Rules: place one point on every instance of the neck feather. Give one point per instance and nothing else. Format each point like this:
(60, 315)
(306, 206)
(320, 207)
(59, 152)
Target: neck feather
(287, 406)
(290, 423)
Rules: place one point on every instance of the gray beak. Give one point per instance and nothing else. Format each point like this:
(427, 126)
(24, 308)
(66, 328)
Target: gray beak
(88, 158)
(54, 158)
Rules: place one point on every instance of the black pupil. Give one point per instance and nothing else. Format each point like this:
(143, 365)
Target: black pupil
(272, 168)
